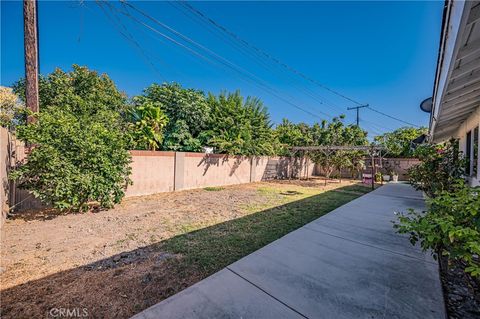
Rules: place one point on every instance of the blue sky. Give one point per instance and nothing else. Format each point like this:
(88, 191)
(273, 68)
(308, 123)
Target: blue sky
(381, 53)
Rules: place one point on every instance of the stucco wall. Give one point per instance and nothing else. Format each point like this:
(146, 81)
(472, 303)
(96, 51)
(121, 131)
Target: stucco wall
(285, 167)
(203, 170)
(259, 165)
(399, 165)
(157, 172)
(472, 121)
(152, 172)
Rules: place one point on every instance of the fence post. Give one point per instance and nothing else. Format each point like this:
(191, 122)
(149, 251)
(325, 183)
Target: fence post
(289, 168)
(179, 173)
(253, 167)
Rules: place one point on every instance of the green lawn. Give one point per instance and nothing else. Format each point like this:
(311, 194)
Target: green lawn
(211, 248)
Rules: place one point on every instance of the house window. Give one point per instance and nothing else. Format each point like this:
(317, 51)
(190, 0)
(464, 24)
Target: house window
(475, 153)
(468, 153)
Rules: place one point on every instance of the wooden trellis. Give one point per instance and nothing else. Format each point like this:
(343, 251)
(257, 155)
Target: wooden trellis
(372, 150)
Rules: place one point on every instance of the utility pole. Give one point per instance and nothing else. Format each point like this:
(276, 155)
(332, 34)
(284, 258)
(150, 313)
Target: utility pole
(357, 108)
(30, 28)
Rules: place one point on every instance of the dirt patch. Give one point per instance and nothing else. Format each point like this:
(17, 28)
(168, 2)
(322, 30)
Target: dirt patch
(115, 263)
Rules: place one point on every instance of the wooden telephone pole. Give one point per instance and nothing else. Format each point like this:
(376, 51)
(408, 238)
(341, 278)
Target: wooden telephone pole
(357, 108)
(30, 28)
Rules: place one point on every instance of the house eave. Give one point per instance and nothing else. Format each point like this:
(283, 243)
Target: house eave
(456, 91)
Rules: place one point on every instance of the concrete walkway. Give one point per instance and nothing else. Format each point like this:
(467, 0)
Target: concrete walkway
(347, 264)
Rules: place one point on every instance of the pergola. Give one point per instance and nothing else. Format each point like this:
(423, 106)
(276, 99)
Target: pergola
(372, 150)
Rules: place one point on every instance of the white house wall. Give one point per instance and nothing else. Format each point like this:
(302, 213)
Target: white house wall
(471, 123)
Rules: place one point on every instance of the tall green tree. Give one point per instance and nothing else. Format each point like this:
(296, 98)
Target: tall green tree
(398, 142)
(290, 134)
(239, 126)
(336, 133)
(79, 151)
(146, 124)
(188, 114)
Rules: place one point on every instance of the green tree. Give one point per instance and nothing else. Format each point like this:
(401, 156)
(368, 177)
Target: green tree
(290, 134)
(188, 114)
(10, 108)
(146, 124)
(239, 126)
(79, 153)
(336, 133)
(398, 142)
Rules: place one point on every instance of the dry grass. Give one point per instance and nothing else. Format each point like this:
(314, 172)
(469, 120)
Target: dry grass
(116, 263)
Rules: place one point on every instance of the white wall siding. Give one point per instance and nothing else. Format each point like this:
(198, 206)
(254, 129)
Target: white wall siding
(470, 124)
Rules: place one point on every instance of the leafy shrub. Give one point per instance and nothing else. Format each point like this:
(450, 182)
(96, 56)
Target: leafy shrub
(187, 112)
(146, 123)
(398, 142)
(291, 134)
(79, 152)
(441, 165)
(239, 126)
(451, 225)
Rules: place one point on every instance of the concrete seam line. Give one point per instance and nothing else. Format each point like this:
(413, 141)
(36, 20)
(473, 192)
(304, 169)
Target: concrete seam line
(368, 245)
(264, 291)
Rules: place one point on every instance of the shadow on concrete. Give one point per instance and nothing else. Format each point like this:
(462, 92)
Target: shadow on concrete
(124, 284)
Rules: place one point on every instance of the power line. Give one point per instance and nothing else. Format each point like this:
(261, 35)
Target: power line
(284, 65)
(196, 53)
(246, 51)
(269, 56)
(178, 6)
(125, 34)
(259, 82)
(392, 117)
(244, 46)
(226, 63)
(376, 126)
(371, 128)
